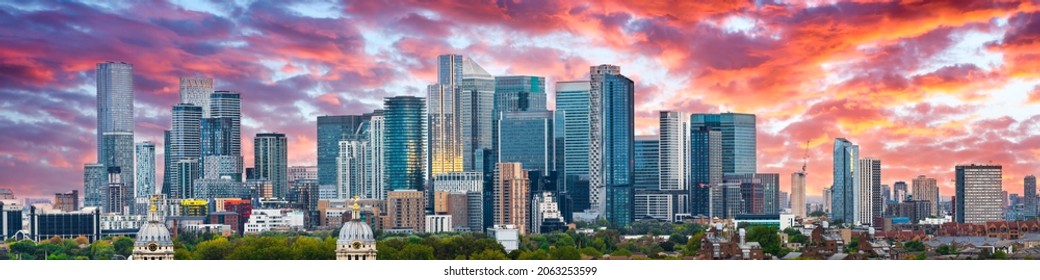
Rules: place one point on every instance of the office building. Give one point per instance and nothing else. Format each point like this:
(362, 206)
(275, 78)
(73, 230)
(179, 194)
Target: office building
(302, 173)
(828, 197)
(145, 164)
(674, 150)
(95, 179)
(476, 103)
(705, 167)
(654, 205)
(611, 143)
(118, 197)
(45, 225)
(270, 161)
(213, 188)
(798, 194)
(869, 198)
(516, 94)
(444, 123)
(545, 214)
(845, 190)
(404, 143)
(530, 140)
(726, 200)
(738, 139)
(10, 219)
(978, 198)
(925, 189)
(572, 102)
(67, 202)
(225, 104)
(1029, 197)
(115, 117)
(511, 195)
(647, 171)
(900, 191)
(184, 143)
(217, 158)
(331, 130)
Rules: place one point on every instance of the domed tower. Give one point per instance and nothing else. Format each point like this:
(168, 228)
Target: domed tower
(153, 240)
(356, 241)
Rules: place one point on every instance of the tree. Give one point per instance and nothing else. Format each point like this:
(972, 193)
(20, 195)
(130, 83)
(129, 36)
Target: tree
(216, 249)
(308, 248)
(82, 240)
(913, 246)
(767, 237)
(416, 252)
(622, 253)
(102, 250)
(693, 245)
(565, 253)
(489, 254)
(123, 245)
(23, 249)
(591, 252)
(946, 249)
(534, 255)
(1000, 255)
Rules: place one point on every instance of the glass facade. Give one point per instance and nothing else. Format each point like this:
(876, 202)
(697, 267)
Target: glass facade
(270, 161)
(332, 129)
(476, 103)
(572, 103)
(845, 191)
(115, 117)
(647, 163)
(705, 167)
(404, 138)
(95, 179)
(738, 139)
(184, 143)
(528, 140)
(614, 169)
(228, 104)
(145, 181)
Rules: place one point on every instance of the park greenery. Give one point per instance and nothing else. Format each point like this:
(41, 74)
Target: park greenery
(647, 240)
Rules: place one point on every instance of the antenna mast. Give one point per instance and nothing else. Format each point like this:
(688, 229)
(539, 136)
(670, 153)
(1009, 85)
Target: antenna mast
(805, 160)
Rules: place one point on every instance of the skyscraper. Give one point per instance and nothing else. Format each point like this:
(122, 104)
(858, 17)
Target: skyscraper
(925, 188)
(115, 117)
(517, 94)
(145, 181)
(869, 190)
(376, 148)
(675, 150)
(351, 177)
(572, 102)
(270, 161)
(738, 139)
(899, 191)
(216, 158)
(705, 167)
(445, 138)
(978, 194)
(530, 140)
(511, 195)
(404, 143)
(184, 143)
(611, 143)
(332, 129)
(845, 191)
(476, 106)
(647, 158)
(228, 104)
(196, 91)
(1029, 196)
(95, 178)
(798, 194)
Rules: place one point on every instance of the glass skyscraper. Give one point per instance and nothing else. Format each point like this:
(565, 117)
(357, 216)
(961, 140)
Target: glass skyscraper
(674, 150)
(445, 138)
(95, 178)
(845, 191)
(529, 140)
(270, 161)
(647, 174)
(738, 139)
(115, 117)
(572, 102)
(145, 181)
(332, 129)
(516, 94)
(184, 144)
(228, 104)
(611, 147)
(376, 152)
(476, 103)
(705, 167)
(196, 91)
(404, 146)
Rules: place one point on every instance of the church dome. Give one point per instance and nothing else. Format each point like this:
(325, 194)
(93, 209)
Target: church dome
(355, 230)
(153, 231)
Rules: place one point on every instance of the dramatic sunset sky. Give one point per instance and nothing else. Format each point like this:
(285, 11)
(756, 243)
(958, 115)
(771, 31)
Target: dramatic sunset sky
(922, 85)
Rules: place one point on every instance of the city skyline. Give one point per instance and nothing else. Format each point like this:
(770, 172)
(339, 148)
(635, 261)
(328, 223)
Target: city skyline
(933, 70)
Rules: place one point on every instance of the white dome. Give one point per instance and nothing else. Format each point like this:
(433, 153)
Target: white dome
(355, 230)
(153, 231)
